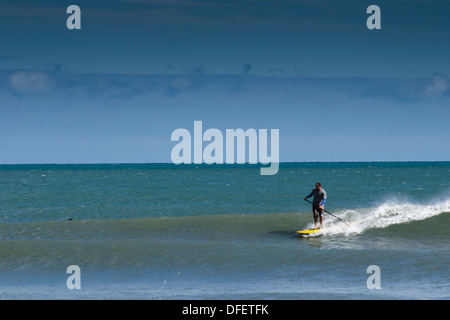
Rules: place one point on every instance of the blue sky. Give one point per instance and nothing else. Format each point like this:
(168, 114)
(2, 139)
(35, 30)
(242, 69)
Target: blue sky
(138, 69)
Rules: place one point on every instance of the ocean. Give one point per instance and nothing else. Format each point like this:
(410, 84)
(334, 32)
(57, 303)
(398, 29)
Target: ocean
(165, 231)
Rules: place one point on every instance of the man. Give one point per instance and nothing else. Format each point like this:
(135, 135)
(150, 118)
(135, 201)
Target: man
(320, 196)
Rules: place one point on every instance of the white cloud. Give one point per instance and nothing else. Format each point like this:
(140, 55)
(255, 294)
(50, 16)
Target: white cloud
(31, 82)
(437, 86)
(181, 83)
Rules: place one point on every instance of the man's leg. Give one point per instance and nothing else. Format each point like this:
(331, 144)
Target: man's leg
(315, 213)
(321, 219)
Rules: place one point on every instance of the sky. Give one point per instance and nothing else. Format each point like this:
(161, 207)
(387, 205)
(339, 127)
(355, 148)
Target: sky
(115, 90)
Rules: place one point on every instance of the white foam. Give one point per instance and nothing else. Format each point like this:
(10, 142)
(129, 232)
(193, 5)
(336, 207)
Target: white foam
(382, 216)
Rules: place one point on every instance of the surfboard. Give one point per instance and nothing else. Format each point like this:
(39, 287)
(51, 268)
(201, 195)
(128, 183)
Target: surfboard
(308, 231)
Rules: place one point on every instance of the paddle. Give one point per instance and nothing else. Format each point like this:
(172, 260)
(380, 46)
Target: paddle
(332, 215)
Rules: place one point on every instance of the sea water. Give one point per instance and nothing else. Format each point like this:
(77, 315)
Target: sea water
(165, 231)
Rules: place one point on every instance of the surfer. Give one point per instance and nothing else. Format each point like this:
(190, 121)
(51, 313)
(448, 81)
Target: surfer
(320, 196)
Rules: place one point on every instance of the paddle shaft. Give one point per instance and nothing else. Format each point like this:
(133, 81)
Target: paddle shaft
(332, 215)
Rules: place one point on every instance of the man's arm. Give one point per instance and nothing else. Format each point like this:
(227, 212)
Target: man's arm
(310, 195)
(323, 199)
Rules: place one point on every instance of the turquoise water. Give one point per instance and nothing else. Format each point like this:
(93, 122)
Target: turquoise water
(161, 231)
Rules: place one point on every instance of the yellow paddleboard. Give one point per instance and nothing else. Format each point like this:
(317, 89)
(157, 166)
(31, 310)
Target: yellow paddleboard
(309, 231)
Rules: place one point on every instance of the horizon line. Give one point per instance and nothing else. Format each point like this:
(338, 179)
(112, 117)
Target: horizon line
(216, 164)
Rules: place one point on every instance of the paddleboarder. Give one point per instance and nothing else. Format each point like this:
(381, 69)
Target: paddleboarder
(318, 203)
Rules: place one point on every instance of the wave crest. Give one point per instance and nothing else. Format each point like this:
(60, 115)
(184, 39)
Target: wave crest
(385, 215)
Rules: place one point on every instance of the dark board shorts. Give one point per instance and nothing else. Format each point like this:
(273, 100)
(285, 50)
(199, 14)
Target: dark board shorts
(316, 210)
